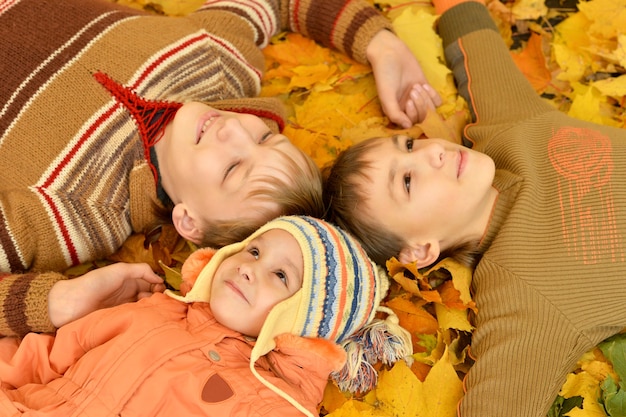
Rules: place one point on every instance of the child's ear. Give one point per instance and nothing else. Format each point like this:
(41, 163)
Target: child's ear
(422, 254)
(186, 224)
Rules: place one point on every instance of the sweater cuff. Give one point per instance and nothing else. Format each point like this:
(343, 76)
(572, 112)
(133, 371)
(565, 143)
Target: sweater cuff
(443, 5)
(467, 17)
(366, 32)
(24, 301)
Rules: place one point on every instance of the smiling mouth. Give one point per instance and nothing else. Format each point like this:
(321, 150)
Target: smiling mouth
(462, 161)
(205, 127)
(236, 290)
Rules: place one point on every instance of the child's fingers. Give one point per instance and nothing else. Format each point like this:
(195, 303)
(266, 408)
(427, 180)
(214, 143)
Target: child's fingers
(435, 98)
(391, 108)
(419, 101)
(422, 99)
(411, 111)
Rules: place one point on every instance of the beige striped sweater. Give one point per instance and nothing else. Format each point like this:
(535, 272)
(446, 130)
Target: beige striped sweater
(75, 182)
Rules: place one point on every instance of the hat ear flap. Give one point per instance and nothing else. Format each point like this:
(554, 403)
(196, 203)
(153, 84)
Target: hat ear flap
(192, 267)
(328, 352)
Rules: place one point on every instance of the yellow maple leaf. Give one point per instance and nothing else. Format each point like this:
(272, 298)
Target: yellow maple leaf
(608, 16)
(453, 343)
(330, 111)
(569, 47)
(355, 408)
(585, 385)
(620, 51)
(293, 49)
(573, 65)
(435, 126)
(595, 364)
(333, 397)
(400, 393)
(318, 145)
(589, 104)
(529, 9)
(614, 87)
(319, 76)
(452, 318)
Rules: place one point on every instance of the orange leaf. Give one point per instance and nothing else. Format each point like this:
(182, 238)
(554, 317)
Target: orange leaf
(413, 316)
(450, 296)
(531, 61)
(420, 370)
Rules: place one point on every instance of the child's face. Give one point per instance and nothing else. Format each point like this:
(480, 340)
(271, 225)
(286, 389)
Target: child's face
(210, 160)
(428, 190)
(249, 283)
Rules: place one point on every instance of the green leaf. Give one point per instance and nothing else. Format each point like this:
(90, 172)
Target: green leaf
(614, 399)
(614, 348)
(562, 406)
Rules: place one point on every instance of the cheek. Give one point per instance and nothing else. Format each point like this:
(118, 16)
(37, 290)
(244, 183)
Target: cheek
(204, 170)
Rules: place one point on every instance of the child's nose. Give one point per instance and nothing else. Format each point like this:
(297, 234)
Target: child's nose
(435, 155)
(232, 131)
(246, 271)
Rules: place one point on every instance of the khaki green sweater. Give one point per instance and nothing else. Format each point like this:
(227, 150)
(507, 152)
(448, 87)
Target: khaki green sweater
(551, 282)
(75, 180)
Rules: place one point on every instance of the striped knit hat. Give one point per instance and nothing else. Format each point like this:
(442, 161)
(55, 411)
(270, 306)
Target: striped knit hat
(341, 292)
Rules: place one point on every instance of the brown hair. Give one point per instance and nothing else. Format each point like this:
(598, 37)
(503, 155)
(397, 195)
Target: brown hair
(344, 198)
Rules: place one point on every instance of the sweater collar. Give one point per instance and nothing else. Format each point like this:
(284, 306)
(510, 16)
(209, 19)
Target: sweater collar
(508, 186)
(160, 191)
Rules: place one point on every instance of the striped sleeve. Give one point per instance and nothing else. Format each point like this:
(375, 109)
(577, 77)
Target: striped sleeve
(346, 25)
(24, 303)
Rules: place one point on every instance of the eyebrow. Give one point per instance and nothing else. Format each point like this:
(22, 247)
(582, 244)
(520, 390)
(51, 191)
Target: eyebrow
(281, 139)
(393, 171)
(291, 265)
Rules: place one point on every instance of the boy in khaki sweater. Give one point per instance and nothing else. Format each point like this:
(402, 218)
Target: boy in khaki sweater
(536, 201)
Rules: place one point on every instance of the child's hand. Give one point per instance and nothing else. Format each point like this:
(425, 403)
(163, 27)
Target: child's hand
(403, 90)
(104, 287)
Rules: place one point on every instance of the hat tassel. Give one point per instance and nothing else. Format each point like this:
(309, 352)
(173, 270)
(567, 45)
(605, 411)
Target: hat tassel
(382, 341)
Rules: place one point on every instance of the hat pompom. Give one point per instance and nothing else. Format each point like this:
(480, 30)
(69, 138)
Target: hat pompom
(192, 267)
(382, 341)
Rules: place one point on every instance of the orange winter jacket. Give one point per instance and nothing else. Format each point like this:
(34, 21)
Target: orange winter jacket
(156, 357)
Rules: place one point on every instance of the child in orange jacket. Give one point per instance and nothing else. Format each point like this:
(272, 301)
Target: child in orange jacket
(264, 324)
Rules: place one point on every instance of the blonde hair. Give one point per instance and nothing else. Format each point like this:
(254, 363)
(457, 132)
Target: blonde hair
(301, 195)
(345, 199)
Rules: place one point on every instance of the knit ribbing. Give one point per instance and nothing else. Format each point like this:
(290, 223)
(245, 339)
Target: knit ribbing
(549, 285)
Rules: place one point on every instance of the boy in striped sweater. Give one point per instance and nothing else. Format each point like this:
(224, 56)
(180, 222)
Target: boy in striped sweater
(111, 119)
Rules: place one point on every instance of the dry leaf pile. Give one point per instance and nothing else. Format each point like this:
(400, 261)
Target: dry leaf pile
(574, 56)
